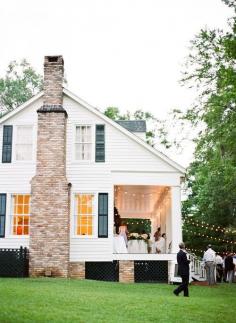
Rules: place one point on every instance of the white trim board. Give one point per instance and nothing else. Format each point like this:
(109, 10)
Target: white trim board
(144, 256)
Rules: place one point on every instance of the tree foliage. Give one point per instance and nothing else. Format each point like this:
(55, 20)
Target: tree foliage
(20, 83)
(211, 182)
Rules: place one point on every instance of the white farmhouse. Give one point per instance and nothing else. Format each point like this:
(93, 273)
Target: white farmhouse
(65, 167)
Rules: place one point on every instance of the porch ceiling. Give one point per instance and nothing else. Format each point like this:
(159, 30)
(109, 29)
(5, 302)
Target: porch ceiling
(138, 201)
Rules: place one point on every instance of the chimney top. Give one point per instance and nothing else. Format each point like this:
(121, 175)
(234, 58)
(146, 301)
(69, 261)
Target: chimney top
(53, 84)
(55, 59)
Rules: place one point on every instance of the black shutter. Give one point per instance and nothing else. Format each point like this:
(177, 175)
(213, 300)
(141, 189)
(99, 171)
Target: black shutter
(100, 143)
(102, 215)
(2, 214)
(7, 144)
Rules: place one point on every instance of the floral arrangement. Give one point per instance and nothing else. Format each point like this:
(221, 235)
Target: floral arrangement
(137, 236)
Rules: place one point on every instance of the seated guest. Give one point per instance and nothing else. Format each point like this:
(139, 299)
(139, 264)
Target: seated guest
(123, 232)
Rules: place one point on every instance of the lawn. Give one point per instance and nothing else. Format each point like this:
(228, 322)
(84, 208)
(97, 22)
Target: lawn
(60, 300)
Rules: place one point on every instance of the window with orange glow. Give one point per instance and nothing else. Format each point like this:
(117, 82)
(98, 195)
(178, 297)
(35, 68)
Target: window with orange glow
(21, 214)
(84, 216)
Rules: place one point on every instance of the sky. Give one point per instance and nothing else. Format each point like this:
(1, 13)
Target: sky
(123, 53)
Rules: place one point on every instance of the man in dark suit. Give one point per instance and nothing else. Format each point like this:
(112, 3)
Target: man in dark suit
(183, 270)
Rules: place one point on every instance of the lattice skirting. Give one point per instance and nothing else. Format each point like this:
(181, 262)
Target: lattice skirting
(106, 271)
(144, 271)
(150, 271)
(14, 262)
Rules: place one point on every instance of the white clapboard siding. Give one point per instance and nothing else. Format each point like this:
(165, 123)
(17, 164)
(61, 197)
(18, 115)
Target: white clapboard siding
(14, 243)
(15, 177)
(87, 177)
(127, 162)
(122, 153)
(91, 250)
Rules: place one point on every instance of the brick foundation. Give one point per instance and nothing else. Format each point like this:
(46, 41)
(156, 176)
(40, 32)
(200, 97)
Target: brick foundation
(77, 270)
(126, 271)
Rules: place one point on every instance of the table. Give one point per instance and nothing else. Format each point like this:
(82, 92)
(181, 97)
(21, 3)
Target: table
(119, 245)
(137, 246)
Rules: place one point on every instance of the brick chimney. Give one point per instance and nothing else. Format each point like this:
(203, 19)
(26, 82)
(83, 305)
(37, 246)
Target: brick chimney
(49, 224)
(53, 80)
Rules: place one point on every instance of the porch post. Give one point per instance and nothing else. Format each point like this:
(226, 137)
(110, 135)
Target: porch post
(176, 220)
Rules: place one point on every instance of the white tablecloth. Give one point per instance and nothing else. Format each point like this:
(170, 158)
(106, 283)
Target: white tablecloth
(119, 245)
(137, 246)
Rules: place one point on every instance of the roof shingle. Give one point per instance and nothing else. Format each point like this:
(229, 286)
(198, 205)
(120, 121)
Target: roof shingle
(133, 125)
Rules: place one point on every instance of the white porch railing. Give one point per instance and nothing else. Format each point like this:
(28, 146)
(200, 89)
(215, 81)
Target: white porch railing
(197, 269)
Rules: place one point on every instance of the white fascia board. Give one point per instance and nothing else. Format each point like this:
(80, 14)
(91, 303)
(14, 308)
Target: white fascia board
(129, 134)
(21, 107)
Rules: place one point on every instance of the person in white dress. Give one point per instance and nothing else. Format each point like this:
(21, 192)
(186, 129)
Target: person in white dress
(123, 232)
(160, 244)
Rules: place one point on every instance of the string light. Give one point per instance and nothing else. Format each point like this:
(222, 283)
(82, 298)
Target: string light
(206, 225)
(134, 222)
(145, 222)
(209, 237)
(140, 195)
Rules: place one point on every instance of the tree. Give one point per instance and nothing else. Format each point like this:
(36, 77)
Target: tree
(211, 179)
(20, 83)
(112, 113)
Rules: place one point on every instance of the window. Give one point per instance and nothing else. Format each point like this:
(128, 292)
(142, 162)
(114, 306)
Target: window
(7, 144)
(24, 143)
(3, 198)
(83, 143)
(20, 214)
(102, 215)
(100, 143)
(84, 214)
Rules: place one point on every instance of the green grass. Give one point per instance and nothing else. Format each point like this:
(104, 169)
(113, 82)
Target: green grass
(60, 300)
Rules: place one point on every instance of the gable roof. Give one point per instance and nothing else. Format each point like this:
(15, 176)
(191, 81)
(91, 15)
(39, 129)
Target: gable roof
(97, 112)
(133, 125)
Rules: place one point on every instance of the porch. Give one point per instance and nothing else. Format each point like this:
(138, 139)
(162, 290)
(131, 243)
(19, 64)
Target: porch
(142, 210)
(139, 212)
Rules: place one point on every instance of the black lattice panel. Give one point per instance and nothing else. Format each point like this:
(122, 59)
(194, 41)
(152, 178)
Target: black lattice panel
(151, 271)
(14, 262)
(106, 271)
